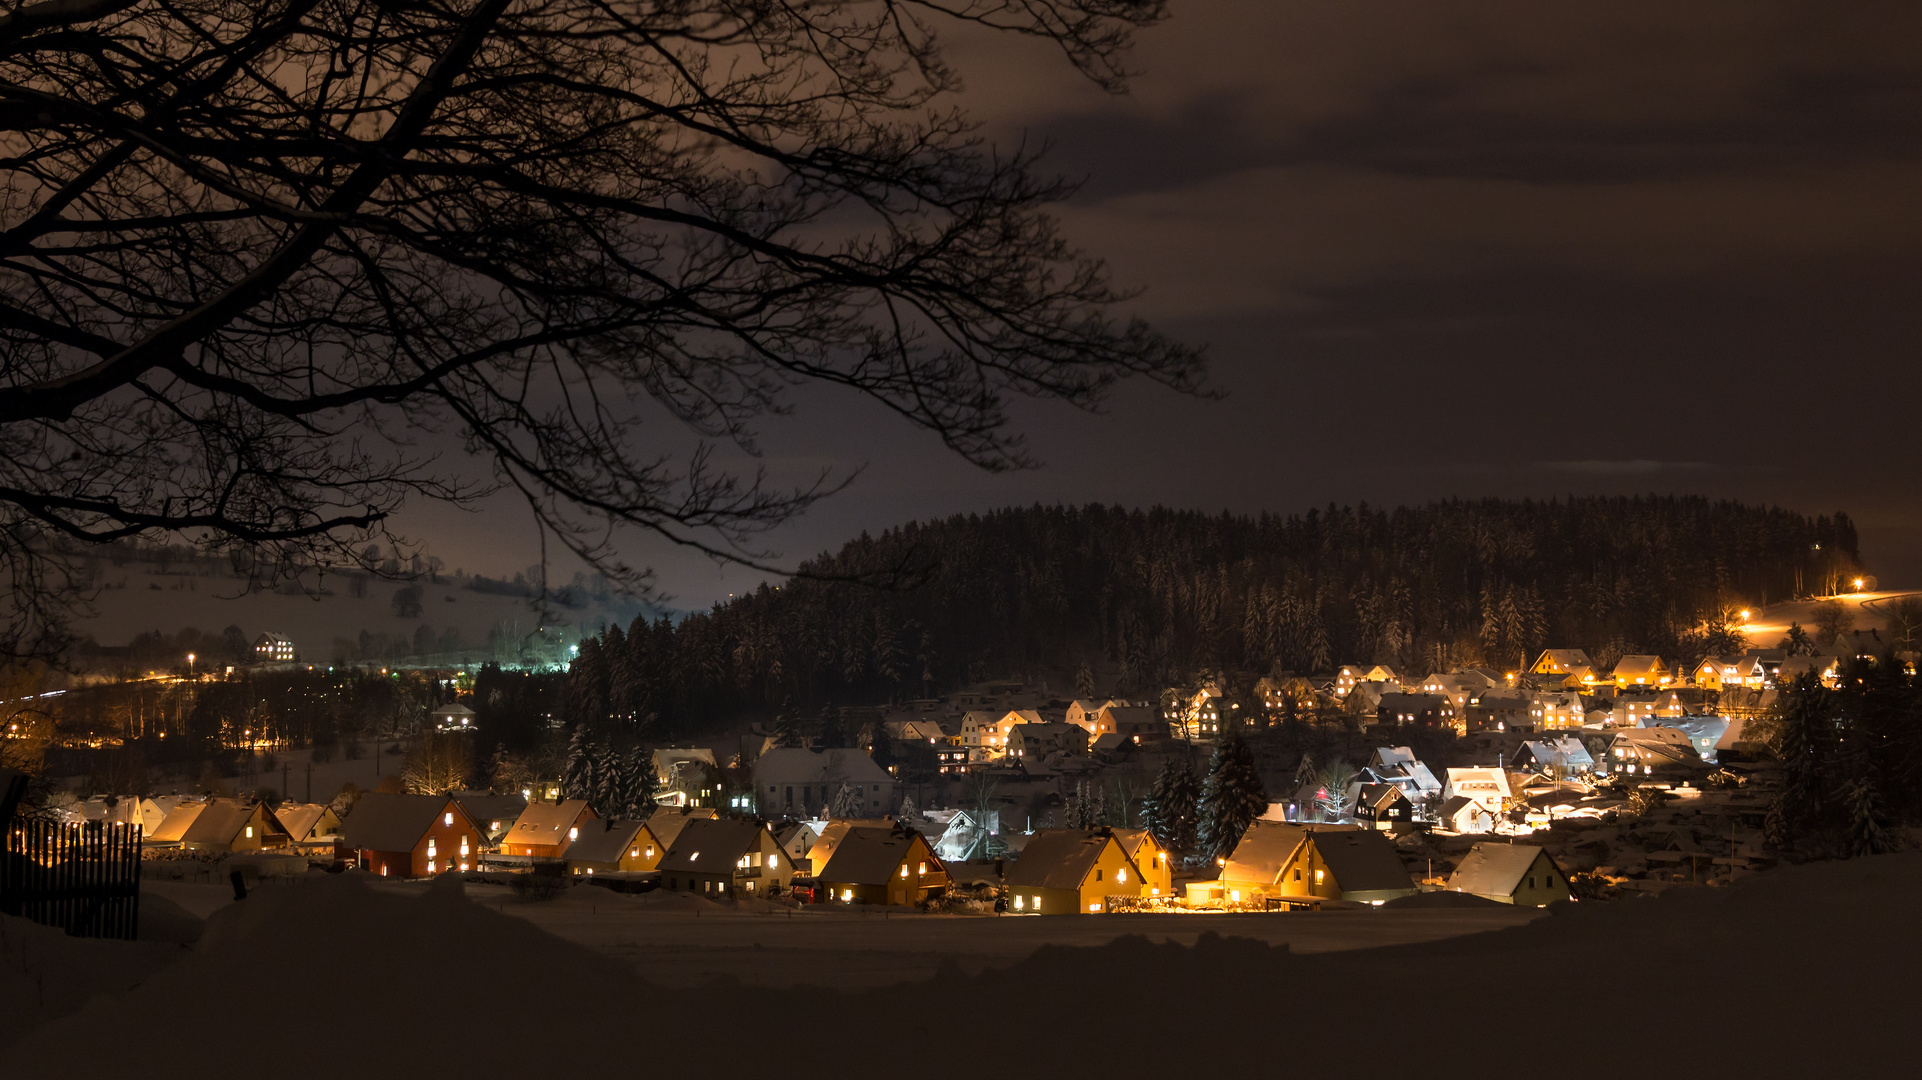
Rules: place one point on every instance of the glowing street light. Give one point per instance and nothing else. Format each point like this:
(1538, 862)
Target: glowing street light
(1858, 584)
(1744, 614)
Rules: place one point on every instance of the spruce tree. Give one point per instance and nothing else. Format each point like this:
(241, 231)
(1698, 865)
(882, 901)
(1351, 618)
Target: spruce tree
(1806, 733)
(1231, 798)
(1170, 809)
(583, 779)
(1868, 822)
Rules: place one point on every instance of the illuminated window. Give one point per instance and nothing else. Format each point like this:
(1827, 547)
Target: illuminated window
(447, 818)
(430, 848)
(430, 866)
(650, 851)
(847, 894)
(1318, 876)
(383, 870)
(1235, 895)
(572, 834)
(634, 853)
(463, 868)
(1121, 876)
(904, 869)
(250, 832)
(1154, 891)
(1094, 907)
(1020, 902)
(770, 861)
(463, 846)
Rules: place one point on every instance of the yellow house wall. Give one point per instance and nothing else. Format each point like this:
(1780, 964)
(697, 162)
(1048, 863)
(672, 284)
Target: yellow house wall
(1307, 860)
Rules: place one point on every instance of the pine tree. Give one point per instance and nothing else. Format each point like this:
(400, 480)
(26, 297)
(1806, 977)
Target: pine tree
(1868, 822)
(1084, 682)
(787, 728)
(1231, 798)
(847, 803)
(583, 777)
(1169, 812)
(1806, 729)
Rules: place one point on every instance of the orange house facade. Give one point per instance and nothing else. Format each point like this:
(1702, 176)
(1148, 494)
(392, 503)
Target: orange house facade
(410, 836)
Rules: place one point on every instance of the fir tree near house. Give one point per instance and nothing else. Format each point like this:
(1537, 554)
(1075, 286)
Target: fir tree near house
(1170, 811)
(1231, 798)
(1804, 715)
(1868, 821)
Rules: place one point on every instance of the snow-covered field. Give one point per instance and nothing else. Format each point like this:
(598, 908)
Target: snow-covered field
(1797, 972)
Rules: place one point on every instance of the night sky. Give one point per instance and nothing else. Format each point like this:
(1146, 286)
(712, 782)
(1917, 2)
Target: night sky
(1453, 249)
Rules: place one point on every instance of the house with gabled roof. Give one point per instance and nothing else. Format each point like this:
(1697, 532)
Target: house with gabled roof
(544, 829)
(1034, 742)
(495, 814)
(1643, 671)
(1152, 864)
(791, 782)
(1544, 756)
(1644, 751)
(1398, 765)
(1381, 806)
(796, 838)
(1253, 869)
(1560, 662)
(1354, 865)
(308, 823)
(1487, 786)
(1069, 872)
(1520, 874)
(175, 824)
(890, 866)
(725, 857)
(409, 835)
(611, 846)
(227, 825)
(1136, 723)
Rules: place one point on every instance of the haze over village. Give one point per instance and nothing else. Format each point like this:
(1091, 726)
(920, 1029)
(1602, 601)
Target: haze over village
(1097, 537)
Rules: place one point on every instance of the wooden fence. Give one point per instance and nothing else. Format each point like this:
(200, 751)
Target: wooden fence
(84, 878)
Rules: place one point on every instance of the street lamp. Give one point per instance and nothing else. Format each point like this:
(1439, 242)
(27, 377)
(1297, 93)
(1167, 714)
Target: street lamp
(190, 665)
(1858, 584)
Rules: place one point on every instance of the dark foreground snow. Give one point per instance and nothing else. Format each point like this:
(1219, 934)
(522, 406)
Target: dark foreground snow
(1803, 971)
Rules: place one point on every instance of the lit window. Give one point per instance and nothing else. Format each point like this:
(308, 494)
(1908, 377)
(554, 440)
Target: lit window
(250, 832)
(922, 869)
(650, 851)
(463, 868)
(1020, 902)
(1318, 877)
(634, 853)
(770, 861)
(847, 894)
(447, 818)
(430, 866)
(1094, 907)
(693, 855)
(383, 870)
(904, 869)
(572, 834)
(1121, 876)
(1235, 895)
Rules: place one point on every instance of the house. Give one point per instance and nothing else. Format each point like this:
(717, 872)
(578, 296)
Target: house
(1353, 865)
(174, 826)
(1136, 723)
(1546, 756)
(1560, 662)
(796, 838)
(1111, 748)
(409, 835)
(830, 836)
(1418, 710)
(143, 812)
(1641, 751)
(1635, 710)
(1382, 806)
(1704, 732)
(723, 857)
(1381, 673)
(1461, 814)
(1071, 871)
(892, 866)
(1278, 692)
(544, 829)
(1253, 869)
(1827, 669)
(666, 823)
(1459, 687)
(970, 834)
(1151, 863)
(917, 731)
(1347, 678)
(272, 648)
(1398, 765)
(1647, 672)
(1557, 710)
(792, 782)
(985, 734)
(1498, 710)
(495, 814)
(609, 846)
(1520, 874)
(1487, 786)
(1093, 716)
(224, 826)
(1033, 742)
(684, 773)
(308, 823)
(453, 717)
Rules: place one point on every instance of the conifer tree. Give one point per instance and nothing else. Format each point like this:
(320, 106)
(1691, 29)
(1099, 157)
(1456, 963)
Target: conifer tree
(1868, 821)
(583, 778)
(1806, 731)
(1170, 809)
(1231, 798)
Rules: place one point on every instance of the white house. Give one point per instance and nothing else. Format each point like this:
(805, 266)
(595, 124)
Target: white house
(1488, 787)
(797, 783)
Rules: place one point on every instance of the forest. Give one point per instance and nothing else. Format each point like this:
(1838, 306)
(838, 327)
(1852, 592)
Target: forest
(1158, 597)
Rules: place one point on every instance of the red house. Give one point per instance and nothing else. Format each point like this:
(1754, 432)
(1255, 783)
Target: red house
(409, 835)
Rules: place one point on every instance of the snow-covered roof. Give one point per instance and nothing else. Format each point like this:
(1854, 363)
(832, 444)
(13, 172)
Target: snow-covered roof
(666, 822)
(789, 765)
(219, 823)
(604, 841)
(300, 819)
(1059, 858)
(869, 856)
(546, 822)
(486, 808)
(711, 845)
(1262, 851)
(1362, 861)
(388, 822)
(175, 824)
(1494, 869)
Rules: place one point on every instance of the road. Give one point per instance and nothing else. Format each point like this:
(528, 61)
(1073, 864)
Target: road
(1766, 627)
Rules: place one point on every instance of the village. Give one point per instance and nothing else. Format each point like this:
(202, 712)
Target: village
(1564, 781)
